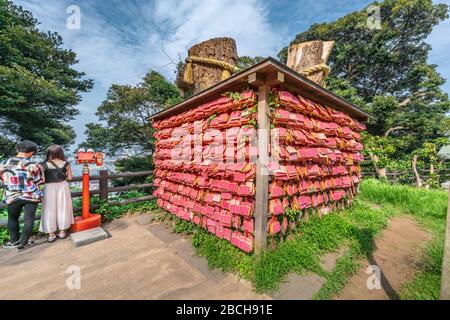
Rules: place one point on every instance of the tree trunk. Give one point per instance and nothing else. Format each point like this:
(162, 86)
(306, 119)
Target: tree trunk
(206, 75)
(419, 182)
(431, 176)
(302, 56)
(381, 172)
(393, 129)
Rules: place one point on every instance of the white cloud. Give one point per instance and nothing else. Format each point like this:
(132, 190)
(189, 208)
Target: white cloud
(198, 20)
(120, 40)
(109, 55)
(121, 47)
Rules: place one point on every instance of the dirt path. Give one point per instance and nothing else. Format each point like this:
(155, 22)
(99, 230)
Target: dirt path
(137, 262)
(396, 252)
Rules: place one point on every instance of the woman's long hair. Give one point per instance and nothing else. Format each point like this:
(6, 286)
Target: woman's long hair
(55, 152)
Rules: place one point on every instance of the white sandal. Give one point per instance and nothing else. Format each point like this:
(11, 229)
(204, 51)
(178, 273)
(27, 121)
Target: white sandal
(62, 234)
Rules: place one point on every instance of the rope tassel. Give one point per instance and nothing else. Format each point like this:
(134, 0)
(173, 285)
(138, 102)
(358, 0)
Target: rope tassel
(226, 74)
(188, 76)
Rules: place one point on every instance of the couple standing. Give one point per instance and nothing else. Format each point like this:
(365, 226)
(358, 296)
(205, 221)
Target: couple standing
(23, 179)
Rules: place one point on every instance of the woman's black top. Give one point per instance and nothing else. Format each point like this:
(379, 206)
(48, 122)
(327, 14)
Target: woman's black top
(54, 173)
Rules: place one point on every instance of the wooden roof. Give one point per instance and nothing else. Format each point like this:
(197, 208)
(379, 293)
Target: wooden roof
(268, 72)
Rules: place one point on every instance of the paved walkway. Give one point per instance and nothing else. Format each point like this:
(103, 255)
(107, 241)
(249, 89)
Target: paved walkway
(149, 262)
(136, 262)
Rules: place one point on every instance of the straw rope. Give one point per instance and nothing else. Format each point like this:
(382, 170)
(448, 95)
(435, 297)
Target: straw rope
(228, 68)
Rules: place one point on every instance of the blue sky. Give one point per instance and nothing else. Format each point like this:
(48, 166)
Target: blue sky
(120, 40)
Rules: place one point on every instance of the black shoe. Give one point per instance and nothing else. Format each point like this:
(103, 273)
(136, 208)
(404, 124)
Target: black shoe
(11, 245)
(22, 247)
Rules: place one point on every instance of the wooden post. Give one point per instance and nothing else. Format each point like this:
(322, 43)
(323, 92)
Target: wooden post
(103, 185)
(445, 273)
(395, 179)
(205, 75)
(301, 56)
(262, 176)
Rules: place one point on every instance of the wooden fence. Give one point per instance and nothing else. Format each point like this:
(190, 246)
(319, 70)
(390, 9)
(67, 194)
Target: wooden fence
(406, 176)
(104, 189)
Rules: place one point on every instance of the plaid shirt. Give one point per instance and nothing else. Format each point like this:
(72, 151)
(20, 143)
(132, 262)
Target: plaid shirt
(22, 179)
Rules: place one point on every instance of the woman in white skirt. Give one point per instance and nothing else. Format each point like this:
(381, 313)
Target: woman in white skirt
(57, 210)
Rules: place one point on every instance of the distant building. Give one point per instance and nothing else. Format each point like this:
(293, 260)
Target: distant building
(444, 152)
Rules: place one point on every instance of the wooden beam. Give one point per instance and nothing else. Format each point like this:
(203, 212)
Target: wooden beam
(119, 203)
(314, 91)
(129, 174)
(103, 185)
(262, 176)
(275, 78)
(111, 176)
(256, 79)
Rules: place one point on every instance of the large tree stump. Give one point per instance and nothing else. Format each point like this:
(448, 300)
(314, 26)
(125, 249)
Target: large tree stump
(302, 56)
(205, 75)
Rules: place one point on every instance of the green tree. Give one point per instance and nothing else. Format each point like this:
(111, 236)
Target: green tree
(39, 89)
(379, 149)
(385, 70)
(245, 62)
(427, 156)
(125, 114)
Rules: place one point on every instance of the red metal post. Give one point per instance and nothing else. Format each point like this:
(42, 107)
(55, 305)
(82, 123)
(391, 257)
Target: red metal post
(87, 220)
(86, 201)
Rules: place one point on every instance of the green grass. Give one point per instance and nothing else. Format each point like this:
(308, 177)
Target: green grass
(354, 228)
(429, 207)
(429, 204)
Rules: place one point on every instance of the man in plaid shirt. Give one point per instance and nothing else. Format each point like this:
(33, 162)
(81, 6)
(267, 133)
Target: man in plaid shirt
(21, 178)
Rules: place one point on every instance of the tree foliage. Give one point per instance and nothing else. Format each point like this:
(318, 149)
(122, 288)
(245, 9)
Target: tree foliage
(385, 71)
(125, 113)
(428, 158)
(39, 89)
(245, 62)
(380, 147)
(381, 61)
